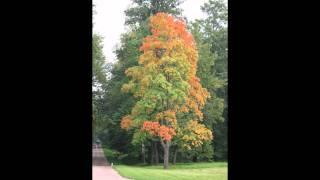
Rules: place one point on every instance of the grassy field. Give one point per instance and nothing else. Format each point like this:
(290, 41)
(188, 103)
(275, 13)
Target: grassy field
(185, 171)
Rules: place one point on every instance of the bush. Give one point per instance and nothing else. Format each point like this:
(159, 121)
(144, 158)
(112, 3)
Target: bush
(122, 156)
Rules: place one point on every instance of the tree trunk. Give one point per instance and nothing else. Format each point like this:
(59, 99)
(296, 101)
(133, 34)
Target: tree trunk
(195, 159)
(165, 146)
(152, 153)
(166, 157)
(175, 155)
(143, 153)
(156, 153)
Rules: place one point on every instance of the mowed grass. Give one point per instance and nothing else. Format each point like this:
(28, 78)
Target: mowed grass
(183, 171)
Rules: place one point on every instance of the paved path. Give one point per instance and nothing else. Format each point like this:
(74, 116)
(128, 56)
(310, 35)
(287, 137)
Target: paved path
(101, 170)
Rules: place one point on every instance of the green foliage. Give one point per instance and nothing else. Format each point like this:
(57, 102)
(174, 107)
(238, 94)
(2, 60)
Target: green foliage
(202, 153)
(143, 9)
(112, 155)
(139, 137)
(211, 37)
(217, 15)
(215, 28)
(115, 103)
(98, 61)
(117, 157)
(99, 80)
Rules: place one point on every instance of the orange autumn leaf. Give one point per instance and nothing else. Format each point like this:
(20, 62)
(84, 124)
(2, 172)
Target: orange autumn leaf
(155, 129)
(195, 134)
(126, 122)
(151, 127)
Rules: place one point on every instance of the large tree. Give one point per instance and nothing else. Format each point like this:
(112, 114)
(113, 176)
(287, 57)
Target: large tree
(116, 103)
(170, 96)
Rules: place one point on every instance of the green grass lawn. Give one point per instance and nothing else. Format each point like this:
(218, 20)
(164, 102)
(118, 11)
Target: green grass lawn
(185, 171)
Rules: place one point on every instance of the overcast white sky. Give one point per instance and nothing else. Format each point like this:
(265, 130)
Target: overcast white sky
(112, 13)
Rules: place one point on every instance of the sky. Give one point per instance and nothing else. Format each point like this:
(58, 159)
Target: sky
(112, 12)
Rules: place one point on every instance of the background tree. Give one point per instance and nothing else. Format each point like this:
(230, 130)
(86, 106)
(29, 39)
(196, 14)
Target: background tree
(143, 9)
(211, 37)
(217, 35)
(99, 80)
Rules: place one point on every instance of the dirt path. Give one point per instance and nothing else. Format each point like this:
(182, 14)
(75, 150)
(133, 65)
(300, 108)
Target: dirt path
(101, 170)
